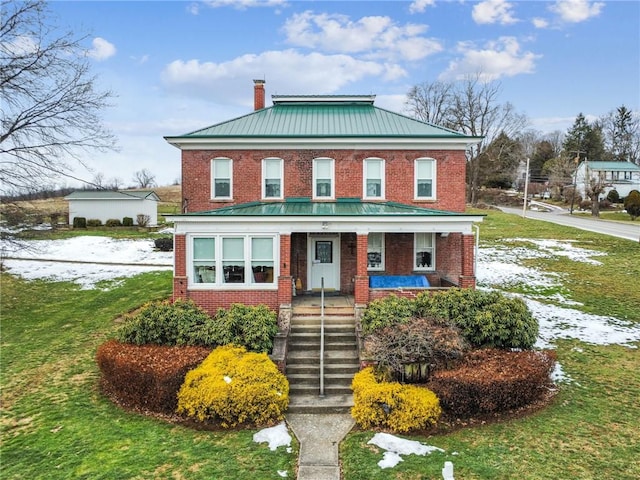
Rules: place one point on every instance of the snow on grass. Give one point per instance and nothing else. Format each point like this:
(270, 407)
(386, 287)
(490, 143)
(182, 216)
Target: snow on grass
(396, 446)
(277, 436)
(117, 258)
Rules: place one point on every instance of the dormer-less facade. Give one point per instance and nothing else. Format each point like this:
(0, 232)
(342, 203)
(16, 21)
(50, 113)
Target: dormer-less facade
(319, 191)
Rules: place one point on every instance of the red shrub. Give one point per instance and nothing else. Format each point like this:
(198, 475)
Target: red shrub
(490, 381)
(146, 376)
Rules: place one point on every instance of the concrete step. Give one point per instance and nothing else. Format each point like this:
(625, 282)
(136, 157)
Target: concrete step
(328, 321)
(329, 368)
(328, 346)
(329, 335)
(309, 389)
(315, 404)
(315, 310)
(330, 379)
(331, 356)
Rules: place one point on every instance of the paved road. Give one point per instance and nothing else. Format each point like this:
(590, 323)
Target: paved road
(562, 217)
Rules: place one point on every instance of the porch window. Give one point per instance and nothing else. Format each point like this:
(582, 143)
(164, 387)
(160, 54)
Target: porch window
(375, 252)
(221, 176)
(323, 178)
(424, 251)
(237, 260)
(262, 259)
(425, 178)
(373, 178)
(204, 260)
(272, 178)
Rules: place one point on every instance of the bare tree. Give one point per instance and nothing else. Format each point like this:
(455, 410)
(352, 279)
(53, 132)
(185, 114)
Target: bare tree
(431, 102)
(50, 105)
(476, 111)
(144, 179)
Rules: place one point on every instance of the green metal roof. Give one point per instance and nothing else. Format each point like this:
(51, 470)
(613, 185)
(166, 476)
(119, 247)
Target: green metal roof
(613, 166)
(342, 207)
(324, 116)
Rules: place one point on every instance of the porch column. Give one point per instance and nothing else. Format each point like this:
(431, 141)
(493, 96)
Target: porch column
(180, 267)
(285, 290)
(468, 276)
(361, 287)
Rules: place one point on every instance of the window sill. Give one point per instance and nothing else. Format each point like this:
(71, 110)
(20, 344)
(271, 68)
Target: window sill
(232, 286)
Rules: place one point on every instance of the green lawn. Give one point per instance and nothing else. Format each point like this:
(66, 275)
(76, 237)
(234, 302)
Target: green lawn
(55, 424)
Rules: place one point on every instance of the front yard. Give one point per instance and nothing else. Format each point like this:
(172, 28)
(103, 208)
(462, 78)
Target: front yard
(56, 424)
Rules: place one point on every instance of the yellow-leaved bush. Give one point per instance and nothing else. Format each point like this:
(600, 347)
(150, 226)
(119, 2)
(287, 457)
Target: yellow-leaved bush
(235, 387)
(392, 405)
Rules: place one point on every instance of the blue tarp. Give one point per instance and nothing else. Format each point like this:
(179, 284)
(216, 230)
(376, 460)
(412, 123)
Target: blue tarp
(395, 281)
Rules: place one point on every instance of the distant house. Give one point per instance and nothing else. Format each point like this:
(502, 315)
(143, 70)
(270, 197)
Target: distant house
(620, 176)
(104, 205)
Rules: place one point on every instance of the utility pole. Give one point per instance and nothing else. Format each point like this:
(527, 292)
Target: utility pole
(526, 190)
(576, 160)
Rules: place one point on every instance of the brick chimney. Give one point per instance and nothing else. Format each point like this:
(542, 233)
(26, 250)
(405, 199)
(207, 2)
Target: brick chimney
(258, 94)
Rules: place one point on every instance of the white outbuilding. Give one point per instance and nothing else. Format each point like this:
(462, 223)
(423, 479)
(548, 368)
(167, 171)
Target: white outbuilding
(104, 205)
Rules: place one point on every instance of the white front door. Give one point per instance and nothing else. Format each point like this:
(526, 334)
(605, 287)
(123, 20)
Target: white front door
(324, 261)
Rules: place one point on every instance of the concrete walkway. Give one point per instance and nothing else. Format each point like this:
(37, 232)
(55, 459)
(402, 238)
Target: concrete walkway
(319, 436)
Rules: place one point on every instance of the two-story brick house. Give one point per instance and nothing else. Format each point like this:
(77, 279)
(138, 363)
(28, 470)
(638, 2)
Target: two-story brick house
(318, 190)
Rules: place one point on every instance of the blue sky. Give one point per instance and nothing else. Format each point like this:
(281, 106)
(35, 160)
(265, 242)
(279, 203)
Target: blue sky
(177, 66)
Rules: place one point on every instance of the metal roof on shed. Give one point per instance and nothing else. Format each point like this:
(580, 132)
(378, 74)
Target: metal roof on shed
(112, 195)
(613, 166)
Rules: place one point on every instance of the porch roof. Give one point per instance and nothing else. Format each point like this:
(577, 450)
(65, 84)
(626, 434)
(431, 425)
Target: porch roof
(343, 215)
(303, 206)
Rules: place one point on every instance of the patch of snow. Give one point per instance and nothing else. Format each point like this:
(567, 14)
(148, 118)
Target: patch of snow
(277, 436)
(283, 473)
(568, 323)
(559, 376)
(396, 446)
(564, 249)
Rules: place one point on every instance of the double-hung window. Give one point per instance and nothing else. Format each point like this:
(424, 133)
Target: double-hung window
(323, 178)
(373, 175)
(240, 260)
(272, 178)
(425, 179)
(221, 178)
(424, 248)
(375, 251)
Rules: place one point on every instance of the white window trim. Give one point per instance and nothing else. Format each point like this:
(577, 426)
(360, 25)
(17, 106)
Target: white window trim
(365, 177)
(381, 268)
(333, 179)
(433, 253)
(264, 178)
(433, 178)
(219, 284)
(213, 179)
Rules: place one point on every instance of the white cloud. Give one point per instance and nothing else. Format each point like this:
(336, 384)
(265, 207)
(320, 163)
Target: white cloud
(419, 6)
(374, 36)
(244, 4)
(493, 11)
(540, 22)
(102, 49)
(574, 11)
(499, 58)
(290, 70)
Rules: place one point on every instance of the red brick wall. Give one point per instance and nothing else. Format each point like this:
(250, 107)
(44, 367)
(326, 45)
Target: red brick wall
(298, 173)
(211, 300)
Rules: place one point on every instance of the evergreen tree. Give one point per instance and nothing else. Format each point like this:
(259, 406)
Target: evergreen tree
(584, 140)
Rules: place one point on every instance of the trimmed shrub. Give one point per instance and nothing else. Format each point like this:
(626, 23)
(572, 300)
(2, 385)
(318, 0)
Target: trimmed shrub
(127, 222)
(113, 222)
(234, 387)
(632, 204)
(184, 323)
(613, 196)
(79, 222)
(413, 349)
(94, 222)
(387, 312)
(164, 244)
(253, 327)
(391, 405)
(491, 381)
(147, 377)
(167, 323)
(485, 319)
